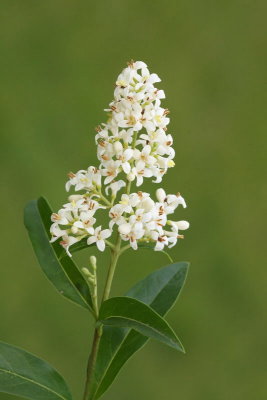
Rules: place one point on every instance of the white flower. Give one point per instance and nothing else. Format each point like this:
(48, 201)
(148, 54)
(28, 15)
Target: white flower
(124, 158)
(60, 218)
(161, 240)
(131, 146)
(111, 171)
(115, 187)
(134, 235)
(99, 238)
(56, 232)
(127, 202)
(115, 214)
(173, 201)
(67, 242)
(143, 157)
(140, 173)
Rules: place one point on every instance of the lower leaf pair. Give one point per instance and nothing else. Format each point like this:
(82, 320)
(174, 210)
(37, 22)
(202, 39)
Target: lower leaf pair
(25, 375)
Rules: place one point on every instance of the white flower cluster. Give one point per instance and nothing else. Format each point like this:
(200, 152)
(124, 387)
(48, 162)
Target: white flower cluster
(139, 218)
(131, 146)
(134, 140)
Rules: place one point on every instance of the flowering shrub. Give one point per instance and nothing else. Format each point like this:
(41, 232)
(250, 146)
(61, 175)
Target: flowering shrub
(133, 145)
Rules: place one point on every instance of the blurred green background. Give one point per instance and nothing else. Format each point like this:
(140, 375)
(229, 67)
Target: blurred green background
(59, 62)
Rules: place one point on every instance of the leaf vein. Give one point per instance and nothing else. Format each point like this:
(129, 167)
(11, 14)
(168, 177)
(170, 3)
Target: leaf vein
(34, 382)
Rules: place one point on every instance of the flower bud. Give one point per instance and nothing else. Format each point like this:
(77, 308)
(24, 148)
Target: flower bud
(182, 225)
(74, 229)
(93, 261)
(161, 195)
(171, 163)
(86, 272)
(75, 197)
(130, 177)
(118, 148)
(147, 204)
(92, 279)
(124, 229)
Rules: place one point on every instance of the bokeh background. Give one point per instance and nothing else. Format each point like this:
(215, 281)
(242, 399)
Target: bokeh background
(59, 62)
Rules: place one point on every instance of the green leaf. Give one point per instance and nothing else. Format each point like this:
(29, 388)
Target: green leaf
(26, 375)
(62, 272)
(131, 313)
(160, 290)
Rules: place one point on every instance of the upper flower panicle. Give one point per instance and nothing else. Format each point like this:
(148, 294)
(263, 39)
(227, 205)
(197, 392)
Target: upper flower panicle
(135, 135)
(131, 146)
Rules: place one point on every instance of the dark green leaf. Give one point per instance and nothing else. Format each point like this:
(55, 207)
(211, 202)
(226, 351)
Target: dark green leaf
(26, 375)
(159, 290)
(128, 312)
(62, 272)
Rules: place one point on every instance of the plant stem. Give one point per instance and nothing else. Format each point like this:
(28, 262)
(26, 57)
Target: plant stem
(91, 362)
(88, 391)
(115, 253)
(102, 197)
(128, 187)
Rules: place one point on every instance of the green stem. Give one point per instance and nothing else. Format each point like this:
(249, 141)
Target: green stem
(103, 198)
(91, 363)
(111, 245)
(128, 187)
(115, 253)
(124, 248)
(89, 390)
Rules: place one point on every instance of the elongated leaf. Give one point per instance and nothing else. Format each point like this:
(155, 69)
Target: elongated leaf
(131, 313)
(26, 375)
(159, 290)
(62, 272)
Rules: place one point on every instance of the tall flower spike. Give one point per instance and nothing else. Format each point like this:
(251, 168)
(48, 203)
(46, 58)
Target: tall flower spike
(133, 145)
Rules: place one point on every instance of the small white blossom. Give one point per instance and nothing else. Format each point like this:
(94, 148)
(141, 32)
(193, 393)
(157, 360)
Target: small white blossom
(115, 187)
(99, 238)
(67, 241)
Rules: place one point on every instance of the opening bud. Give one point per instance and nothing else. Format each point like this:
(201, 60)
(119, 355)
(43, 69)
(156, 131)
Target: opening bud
(147, 204)
(74, 229)
(75, 197)
(161, 195)
(130, 176)
(124, 229)
(118, 148)
(180, 225)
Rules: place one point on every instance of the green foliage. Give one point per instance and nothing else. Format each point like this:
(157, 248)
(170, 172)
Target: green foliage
(61, 271)
(131, 313)
(128, 321)
(26, 375)
(159, 290)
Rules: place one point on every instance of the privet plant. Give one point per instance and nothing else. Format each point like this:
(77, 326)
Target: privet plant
(131, 147)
